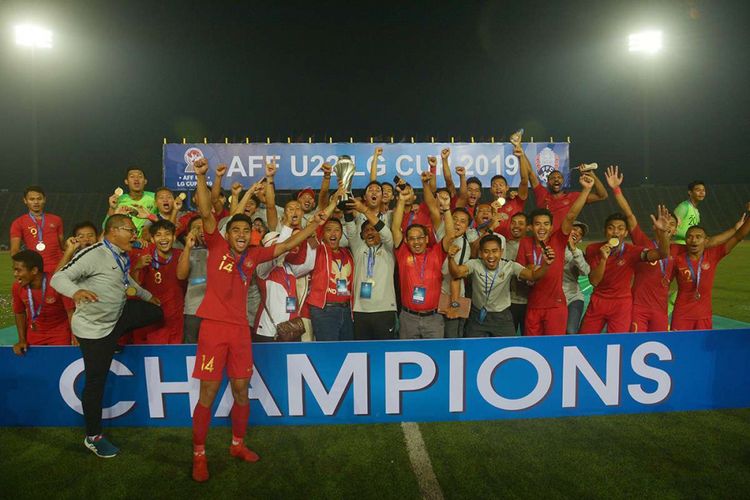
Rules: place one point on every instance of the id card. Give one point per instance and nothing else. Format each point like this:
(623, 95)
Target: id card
(482, 315)
(291, 304)
(365, 291)
(418, 294)
(341, 288)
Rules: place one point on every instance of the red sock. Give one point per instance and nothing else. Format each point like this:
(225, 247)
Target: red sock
(239, 414)
(201, 421)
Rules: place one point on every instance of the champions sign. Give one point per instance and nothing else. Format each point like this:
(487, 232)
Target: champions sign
(395, 381)
(300, 165)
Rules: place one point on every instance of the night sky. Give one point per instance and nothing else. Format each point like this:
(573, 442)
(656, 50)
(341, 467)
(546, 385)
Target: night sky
(125, 74)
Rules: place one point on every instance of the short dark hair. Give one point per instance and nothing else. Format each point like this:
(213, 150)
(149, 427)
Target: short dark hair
(696, 227)
(85, 224)
(417, 226)
(164, 224)
(115, 220)
(692, 185)
(192, 220)
(462, 210)
(30, 259)
(520, 214)
(443, 189)
(134, 167)
(474, 180)
(334, 219)
(239, 218)
(538, 212)
(383, 184)
(496, 177)
(616, 216)
(35, 189)
(163, 188)
(375, 183)
(488, 238)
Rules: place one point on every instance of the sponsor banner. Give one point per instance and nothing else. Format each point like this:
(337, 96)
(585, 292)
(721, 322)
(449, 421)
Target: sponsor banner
(300, 165)
(394, 381)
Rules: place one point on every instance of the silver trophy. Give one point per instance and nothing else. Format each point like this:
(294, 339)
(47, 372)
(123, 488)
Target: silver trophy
(345, 169)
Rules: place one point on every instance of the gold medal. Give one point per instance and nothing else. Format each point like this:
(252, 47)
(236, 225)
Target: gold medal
(697, 296)
(33, 326)
(130, 291)
(613, 242)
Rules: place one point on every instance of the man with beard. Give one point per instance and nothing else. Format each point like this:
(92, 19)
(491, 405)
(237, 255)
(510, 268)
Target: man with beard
(224, 338)
(38, 230)
(490, 299)
(547, 312)
(687, 212)
(138, 203)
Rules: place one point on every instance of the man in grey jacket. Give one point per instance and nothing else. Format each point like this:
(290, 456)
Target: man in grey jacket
(98, 280)
(575, 266)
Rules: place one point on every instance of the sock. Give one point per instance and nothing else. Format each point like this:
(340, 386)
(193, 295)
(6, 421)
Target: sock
(239, 414)
(201, 421)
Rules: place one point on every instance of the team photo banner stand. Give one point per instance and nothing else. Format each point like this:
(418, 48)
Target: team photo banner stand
(300, 165)
(395, 381)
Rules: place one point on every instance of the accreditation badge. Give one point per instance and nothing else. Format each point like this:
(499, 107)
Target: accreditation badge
(291, 304)
(418, 294)
(341, 288)
(365, 290)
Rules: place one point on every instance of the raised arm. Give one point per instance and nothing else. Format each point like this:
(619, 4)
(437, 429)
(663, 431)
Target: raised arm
(429, 194)
(614, 179)
(183, 263)
(398, 215)
(457, 271)
(234, 198)
(450, 231)
(203, 195)
(374, 164)
(221, 169)
(587, 182)
(740, 234)
(325, 186)
(272, 218)
(515, 140)
(463, 189)
(661, 226)
(523, 185)
(724, 236)
(599, 193)
(449, 185)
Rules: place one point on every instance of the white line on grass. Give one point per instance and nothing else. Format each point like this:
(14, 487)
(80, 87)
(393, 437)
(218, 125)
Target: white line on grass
(420, 462)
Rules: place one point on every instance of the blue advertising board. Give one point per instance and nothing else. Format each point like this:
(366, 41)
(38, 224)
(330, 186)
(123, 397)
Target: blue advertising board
(394, 381)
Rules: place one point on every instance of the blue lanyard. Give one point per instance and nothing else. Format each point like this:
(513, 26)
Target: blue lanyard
(124, 266)
(289, 290)
(39, 229)
(421, 271)
(35, 312)
(622, 249)
(662, 262)
(488, 289)
(696, 276)
(371, 260)
(411, 218)
(156, 264)
(240, 265)
(537, 261)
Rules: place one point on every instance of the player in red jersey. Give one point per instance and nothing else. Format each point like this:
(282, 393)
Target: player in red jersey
(38, 230)
(505, 205)
(156, 271)
(547, 311)
(224, 337)
(613, 264)
(42, 314)
(695, 269)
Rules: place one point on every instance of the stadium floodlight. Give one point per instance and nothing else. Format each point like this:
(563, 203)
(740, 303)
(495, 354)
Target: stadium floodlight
(647, 42)
(36, 37)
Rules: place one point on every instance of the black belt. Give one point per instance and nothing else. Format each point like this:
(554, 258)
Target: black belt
(337, 304)
(420, 313)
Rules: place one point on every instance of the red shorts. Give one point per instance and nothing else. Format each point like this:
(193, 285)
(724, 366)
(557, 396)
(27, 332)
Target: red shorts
(49, 337)
(615, 313)
(646, 319)
(221, 344)
(692, 324)
(548, 321)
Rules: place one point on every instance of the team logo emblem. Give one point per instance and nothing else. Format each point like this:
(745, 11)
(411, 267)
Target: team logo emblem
(50, 300)
(621, 262)
(706, 266)
(547, 161)
(503, 216)
(191, 156)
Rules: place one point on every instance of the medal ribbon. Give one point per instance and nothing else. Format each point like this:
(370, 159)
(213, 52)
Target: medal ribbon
(371, 260)
(241, 265)
(662, 262)
(39, 228)
(537, 261)
(35, 312)
(488, 289)
(156, 263)
(289, 291)
(123, 262)
(696, 276)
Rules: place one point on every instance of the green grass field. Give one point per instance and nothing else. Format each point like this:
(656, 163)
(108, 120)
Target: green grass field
(672, 455)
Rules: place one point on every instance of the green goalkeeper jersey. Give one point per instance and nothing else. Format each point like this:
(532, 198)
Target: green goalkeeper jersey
(689, 216)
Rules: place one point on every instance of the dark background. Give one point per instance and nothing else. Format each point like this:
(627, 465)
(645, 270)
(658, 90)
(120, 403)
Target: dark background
(124, 75)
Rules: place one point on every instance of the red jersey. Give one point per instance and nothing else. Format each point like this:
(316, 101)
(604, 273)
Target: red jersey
(651, 283)
(332, 277)
(693, 299)
(512, 206)
(160, 278)
(52, 325)
(226, 290)
(618, 271)
(547, 292)
(28, 229)
(420, 216)
(559, 205)
(420, 276)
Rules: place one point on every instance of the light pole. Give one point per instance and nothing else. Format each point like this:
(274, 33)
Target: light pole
(647, 43)
(34, 37)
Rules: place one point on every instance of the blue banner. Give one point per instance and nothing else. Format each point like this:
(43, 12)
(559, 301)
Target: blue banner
(394, 381)
(300, 165)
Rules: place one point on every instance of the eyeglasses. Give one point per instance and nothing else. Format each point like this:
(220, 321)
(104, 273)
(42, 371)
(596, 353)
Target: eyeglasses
(131, 230)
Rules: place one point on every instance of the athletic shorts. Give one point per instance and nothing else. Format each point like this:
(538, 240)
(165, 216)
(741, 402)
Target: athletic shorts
(691, 324)
(547, 321)
(615, 313)
(48, 338)
(646, 319)
(223, 344)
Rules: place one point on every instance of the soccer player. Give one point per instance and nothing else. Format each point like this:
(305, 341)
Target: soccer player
(306, 199)
(156, 271)
(42, 314)
(473, 195)
(97, 280)
(38, 230)
(687, 212)
(371, 244)
(502, 203)
(695, 269)
(224, 338)
(420, 271)
(547, 311)
(490, 279)
(575, 266)
(137, 202)
(84, 235)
